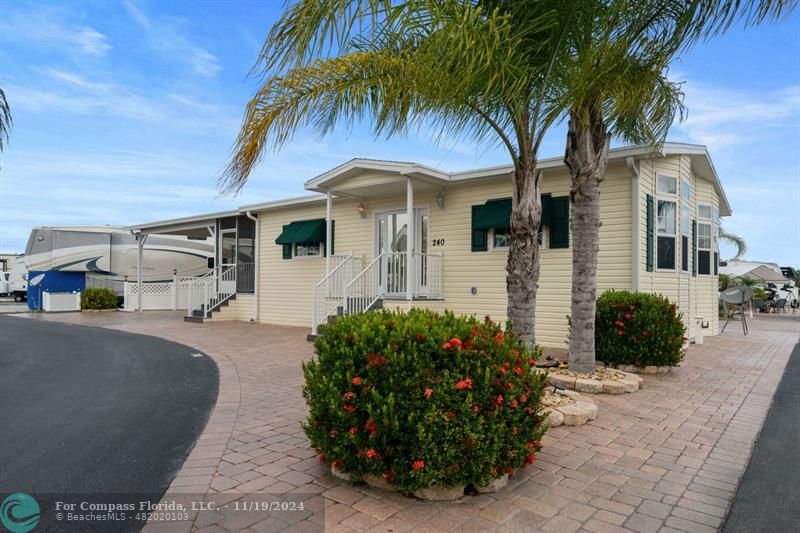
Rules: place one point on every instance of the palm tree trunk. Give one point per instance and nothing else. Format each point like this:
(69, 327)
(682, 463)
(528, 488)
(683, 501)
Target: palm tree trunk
(586, 157)
(522, 268)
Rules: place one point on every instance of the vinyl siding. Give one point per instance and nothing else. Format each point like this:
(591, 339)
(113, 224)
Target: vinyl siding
(242, 308)
(286, 285)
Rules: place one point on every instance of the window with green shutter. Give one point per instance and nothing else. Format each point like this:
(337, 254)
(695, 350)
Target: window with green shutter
(559, 221)
(650, 232)
(479, 236)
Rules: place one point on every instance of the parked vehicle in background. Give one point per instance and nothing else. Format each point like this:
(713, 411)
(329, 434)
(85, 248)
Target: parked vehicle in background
(18, 280)
(5, 288)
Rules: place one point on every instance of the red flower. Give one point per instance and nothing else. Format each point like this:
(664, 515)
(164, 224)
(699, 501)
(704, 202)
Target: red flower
(645, 333)
(523, 399)
(633, 308)
(456, 342)
(446, 346)
(419, 464)
(349, 407)
(508, 470)
(513, 404)
(353, 430)
(531, 458)
(337, 463)
(450, 415)
(389, 475)
(476, 409)
(371, 454)
(428, 392)
(537, 443)
(620, 332)
(356, 380)
(322, 458)
(333, 433)
(619, 323)
(499, 338)
(421, 337)
(532, 362)
(499, 399)
(371, 426)
(529, 410)
(628, 316)
(509, 385)
(465, 383)
(348, 395)
(517, 370)
(502, 370)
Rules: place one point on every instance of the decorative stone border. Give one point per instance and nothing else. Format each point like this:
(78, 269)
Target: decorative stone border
(630, 383)
(575, 411)
(98, 310)
(649, 369)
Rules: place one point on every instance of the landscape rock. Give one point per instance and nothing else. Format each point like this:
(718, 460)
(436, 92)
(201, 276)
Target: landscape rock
(588, 385)
(568, 382)
(590, 407)
(440, 494)
(613, 387)
(341, 474)
(554, 418)
(378, 482)
(574, 415)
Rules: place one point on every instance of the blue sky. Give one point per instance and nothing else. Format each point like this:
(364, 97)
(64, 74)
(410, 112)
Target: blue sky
(125, 112)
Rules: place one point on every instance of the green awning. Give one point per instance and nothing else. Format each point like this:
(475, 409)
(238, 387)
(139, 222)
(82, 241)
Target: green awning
(493, 214)
(303, 231)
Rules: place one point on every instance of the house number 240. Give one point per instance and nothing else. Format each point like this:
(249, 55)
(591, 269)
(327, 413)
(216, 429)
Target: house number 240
(438, 242)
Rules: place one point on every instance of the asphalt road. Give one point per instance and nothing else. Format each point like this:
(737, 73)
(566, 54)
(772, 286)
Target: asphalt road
(768, 498)
(95, 414)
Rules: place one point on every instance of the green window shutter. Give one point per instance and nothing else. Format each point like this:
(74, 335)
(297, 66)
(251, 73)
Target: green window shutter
(559, 222)
(650, 231)
(546, 209)
(287, 248)
(333, 237)
(694, 247)
(479, 236)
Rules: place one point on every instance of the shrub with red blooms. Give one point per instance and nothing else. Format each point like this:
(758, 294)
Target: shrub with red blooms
(423, 399)
(637, 328)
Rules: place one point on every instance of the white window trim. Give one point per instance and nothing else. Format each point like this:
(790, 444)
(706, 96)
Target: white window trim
(492, 248)
(677, 184)
(710, 250)
(308, 257)
(674, 198)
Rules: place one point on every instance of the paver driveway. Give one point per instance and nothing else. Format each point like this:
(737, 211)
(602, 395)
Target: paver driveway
(666, 458)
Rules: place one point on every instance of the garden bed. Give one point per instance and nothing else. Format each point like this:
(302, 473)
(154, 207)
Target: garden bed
(649, 369)
(602, 380)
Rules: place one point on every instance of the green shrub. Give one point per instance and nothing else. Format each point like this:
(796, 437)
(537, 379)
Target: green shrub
(98, 298)
(637, 328)
(423, 399)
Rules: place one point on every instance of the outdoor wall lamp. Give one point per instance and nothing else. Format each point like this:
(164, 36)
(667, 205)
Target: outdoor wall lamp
(362, 210)
(440, 200)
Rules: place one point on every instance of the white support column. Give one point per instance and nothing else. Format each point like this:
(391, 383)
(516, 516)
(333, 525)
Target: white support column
(635, 229)
(410, 239)
(328, 231)
(140, 238)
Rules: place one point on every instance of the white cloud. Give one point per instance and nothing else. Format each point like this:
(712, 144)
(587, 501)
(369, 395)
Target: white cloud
(168, 36)
(48, 27)
(721, 117)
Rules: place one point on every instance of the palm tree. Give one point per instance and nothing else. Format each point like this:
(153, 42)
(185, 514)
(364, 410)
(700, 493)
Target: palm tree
(481, 69)
(735, 240)
(5, 119)
(614, 83)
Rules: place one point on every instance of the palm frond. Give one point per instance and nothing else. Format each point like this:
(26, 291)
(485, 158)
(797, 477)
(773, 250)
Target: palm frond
(5, 120)
(735, 240)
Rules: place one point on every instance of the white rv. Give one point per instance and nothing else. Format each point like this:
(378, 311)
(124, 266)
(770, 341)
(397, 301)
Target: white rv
(5, 288)
(18, 280)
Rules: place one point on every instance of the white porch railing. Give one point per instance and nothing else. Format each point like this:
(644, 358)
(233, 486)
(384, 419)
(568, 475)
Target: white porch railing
(365, 289)
(328, 293)
(207, 292)
(429, 268)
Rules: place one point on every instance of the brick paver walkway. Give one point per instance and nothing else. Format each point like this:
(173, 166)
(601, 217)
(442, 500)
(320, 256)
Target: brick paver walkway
(667, 458)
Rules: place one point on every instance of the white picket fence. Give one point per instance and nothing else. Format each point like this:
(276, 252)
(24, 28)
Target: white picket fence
(161, 295)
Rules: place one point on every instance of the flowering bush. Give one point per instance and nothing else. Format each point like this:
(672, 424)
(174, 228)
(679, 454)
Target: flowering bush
(637, 328)
(423, 399)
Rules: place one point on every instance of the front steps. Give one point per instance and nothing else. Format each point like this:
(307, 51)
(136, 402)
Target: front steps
(339, 312)
(201, 315)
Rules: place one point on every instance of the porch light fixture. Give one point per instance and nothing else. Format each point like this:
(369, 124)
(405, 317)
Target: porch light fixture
(440, 200)
(362, 210)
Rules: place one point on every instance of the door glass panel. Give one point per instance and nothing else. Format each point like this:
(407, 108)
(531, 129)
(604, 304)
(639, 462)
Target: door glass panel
(228, 248)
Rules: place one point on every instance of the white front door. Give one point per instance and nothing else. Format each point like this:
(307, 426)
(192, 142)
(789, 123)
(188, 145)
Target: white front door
(392, 241)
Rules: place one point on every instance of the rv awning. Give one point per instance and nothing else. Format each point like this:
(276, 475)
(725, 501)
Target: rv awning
(303, 231)
(493, 214)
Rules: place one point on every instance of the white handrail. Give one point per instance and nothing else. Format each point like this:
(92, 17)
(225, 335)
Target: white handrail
(365, 289)
(210, 290)
(327, 293)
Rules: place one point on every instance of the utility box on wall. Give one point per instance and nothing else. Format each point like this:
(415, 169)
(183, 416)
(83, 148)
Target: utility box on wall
(55, 282)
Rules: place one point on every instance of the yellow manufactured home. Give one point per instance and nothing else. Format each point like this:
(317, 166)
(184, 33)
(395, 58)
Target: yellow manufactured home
(401, 235)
